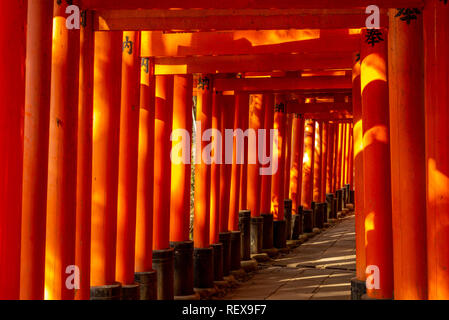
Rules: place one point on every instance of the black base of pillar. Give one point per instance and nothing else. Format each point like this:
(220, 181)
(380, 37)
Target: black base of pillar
(203, 268)
(279, 234)
(245, 233)
(163, 263)
(334, 208)
(325, 214)
(256, 234)
(288, 218)
(108, 292)
(297, 224)
(235, 250)
(267, 231)
(130, 292)
(148, 284)
(351, 196)
(225, 240)
(217, 249)
(183, 266)
(318, 215)
(358, 289)
(329, 201)
(339, 195)
(307, 221)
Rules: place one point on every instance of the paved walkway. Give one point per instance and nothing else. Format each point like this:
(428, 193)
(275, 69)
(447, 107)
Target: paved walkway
(320, 268)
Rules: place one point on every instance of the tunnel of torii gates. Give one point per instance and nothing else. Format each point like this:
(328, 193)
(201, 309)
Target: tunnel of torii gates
(88, 190)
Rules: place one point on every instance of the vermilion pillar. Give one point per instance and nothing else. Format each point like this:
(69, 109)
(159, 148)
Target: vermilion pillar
(256, 122)
(277, 182)
(13, 16)
(35, 153)
(358, 171)
(61, 199)
(244, 118)
(128, 152)
(436, 49)
(330, 157)
(145, 171)
(215, 169)
(84, 164)
(376, 158)
(107, 67)
(162, 163)
(407, 139)
(317, 162)
(324, 150)
(339, 154)
(180, 165)
(265, 198)
(296, 161)
(287, 153)
(344, 154)
(335, 156)
(307, 167)
(350, 173)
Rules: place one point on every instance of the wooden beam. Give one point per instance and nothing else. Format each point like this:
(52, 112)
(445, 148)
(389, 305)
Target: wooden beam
(246, 4)
(339, 107)
(225, 19)
(284, 84)
(247, 63)
(326, 116)
(250, 42)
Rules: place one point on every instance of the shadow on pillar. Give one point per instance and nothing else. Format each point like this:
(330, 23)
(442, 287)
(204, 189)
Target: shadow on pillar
(245, 234)
(225, 240)
(163, 263)
(148, 284)
(183, 268)
(108, 292)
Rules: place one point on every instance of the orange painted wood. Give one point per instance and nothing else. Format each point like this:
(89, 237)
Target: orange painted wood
(350, 173)
(277, 179)
(181, 172)
(436, 40)
(244, 118)
(84, 164)
(408, 174)
(377, 176)
(215, 170)
(296, 161)
(338, 183)
(344, 158)
(62, 160)
(324, 151)
(256, 123)
(329, 158)
(162, 164)
(145, 170)
(107, 67)
(233, 218)
(35, 153)
(287, 153)
(268, 109)
(360, 257)
(317, 162)
(245, 4)
(307, 168)
(226, 122)
(202, 169)
(128, 152)
(13, 15)
(335, 157)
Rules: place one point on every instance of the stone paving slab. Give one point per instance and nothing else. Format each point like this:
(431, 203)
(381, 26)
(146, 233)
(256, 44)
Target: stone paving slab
(319, 269)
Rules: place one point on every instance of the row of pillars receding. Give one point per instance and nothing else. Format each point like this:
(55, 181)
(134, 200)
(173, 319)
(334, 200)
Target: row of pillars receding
(401, 107)
(90, 190)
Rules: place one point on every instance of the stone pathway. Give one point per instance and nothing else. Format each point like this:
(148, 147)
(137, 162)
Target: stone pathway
(320, 268)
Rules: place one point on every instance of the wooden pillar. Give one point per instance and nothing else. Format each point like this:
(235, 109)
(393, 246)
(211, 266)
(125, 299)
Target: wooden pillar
(265, 198)
(287, 153)
(436, 49)
(244, 114)
(84, 162)
(13, 15)
(215, 169)
(407, 139)
(358, 171)
(378, 229)
(317, 162)
(324, 150)
(162, 163)
(35, 153)
(339, 154)
(296, 161)
(128, 152)
(350, 173)
(330, 157)
(344, 158)
(277, 180)
(335, 156)
(61, 199)
(307, 176)
(107, 68)
(202, 169)
(145, 170)
(256, 119)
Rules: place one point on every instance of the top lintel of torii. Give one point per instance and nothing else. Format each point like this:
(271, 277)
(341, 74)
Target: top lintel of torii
(247, 4)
